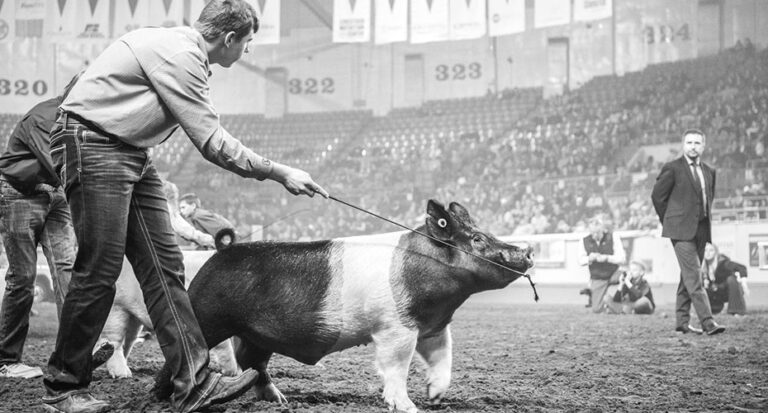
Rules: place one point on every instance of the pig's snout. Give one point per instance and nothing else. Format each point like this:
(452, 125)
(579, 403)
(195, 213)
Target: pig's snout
(518, 256)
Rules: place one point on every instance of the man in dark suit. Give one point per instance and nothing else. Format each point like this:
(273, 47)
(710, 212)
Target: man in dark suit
(682, 197)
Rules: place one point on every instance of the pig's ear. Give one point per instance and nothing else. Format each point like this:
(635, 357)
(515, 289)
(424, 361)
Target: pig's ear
(439, 221)
(461, 213)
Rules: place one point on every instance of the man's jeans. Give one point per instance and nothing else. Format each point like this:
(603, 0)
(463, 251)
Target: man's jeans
(27, 221)
(119, 208)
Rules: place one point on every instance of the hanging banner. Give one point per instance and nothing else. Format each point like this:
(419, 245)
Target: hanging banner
(195, 7)
(7, 23)
(61, 20)
(166, 13)
(467, 19)
(93, 19)
(351, 21)
(586, 10)
(391, 23)
(548, 13)
(429, 21)
(130, 15)
(30, 16)
(506, 17)
(269, 21)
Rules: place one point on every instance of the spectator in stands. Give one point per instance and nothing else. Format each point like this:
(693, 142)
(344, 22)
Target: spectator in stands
(205, 221)
(181, 227)
(142, 87)
(725, 282)
(634, 295)
(603, 253)
(33, 211)
(682, 198)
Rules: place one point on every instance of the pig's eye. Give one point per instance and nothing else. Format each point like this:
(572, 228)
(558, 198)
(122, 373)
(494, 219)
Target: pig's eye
(478, 240)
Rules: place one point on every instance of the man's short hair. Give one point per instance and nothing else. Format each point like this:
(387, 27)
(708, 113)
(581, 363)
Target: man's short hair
(694, 131)
(639, 264)
(223, 16)
(191, 198)
(601, 219)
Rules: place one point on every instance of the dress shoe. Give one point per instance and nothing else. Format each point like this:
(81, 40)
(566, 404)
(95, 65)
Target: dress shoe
(685, 329)
(712, 328)
(75, 401)
(229, 388)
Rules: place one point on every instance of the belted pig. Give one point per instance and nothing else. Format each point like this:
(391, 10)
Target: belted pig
(309, 299)
(129, 313)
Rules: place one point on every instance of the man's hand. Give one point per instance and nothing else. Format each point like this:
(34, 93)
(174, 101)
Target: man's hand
(296, 181)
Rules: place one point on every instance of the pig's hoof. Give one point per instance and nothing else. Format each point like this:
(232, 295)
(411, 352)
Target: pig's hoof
(403, 407)
(404, 410)
(270, 393)
(119, 371)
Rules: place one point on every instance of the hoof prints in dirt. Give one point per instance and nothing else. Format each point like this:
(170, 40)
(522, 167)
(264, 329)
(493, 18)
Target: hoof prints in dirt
(503, 361)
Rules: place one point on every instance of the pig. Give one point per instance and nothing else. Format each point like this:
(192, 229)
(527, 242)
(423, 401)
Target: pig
(129, 313)
(305, 300)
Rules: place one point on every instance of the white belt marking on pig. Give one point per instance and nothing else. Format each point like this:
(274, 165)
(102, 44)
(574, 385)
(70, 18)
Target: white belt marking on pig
(363, 284)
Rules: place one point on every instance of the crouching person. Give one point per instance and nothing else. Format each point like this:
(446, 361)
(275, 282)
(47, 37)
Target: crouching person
(634, 294)
(603, 254)
(725, 282)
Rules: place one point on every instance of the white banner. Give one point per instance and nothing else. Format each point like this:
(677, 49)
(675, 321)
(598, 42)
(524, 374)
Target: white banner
(506, 17)
(166, 13)
(429, 21)
(30, 16)
(351, 21)
(467, 19)
(130, 15)
(7, 21)
(94, 19)
(61, 20)
(585, 10)
(269, 21)
(548, 13)
(391, 23)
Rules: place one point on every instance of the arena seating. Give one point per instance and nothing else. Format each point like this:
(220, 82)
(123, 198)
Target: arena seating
(521, 163)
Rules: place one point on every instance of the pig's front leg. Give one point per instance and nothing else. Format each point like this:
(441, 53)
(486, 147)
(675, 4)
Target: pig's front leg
(394, 351)
(436, 350)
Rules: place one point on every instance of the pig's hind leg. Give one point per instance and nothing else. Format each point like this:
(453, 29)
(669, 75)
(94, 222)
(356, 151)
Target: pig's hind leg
(251, 356)
(120, 330)
(435, 350)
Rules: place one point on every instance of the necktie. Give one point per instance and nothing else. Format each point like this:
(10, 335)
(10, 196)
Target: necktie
(697, 176)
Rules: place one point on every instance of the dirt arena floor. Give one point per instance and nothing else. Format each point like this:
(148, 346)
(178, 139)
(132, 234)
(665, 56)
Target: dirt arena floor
(510, 355)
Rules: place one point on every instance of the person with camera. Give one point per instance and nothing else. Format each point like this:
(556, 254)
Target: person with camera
(634, 295)
(725, 282)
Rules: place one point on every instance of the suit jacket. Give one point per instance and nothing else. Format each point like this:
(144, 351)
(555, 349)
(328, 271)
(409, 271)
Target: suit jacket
(677, 199)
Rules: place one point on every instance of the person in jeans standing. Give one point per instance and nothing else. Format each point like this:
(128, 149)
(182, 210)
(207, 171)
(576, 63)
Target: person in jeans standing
(33, 211)
(131, 98)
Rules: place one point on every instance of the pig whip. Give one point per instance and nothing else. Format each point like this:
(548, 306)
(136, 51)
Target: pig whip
(533, 285)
